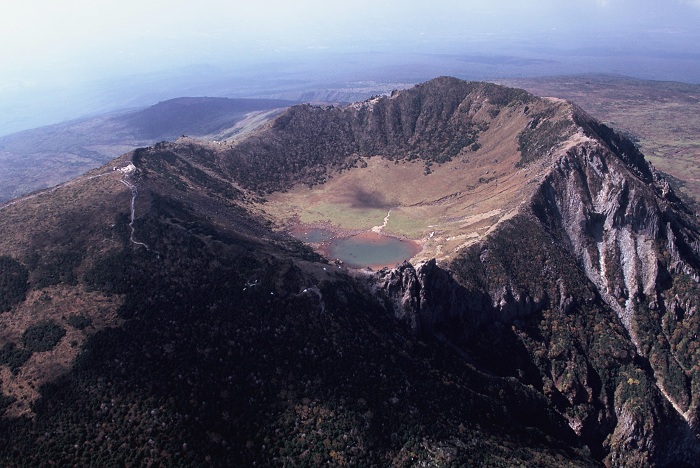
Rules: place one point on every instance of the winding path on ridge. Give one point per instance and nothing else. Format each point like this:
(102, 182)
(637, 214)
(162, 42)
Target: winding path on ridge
(134, 193)
(126, 172)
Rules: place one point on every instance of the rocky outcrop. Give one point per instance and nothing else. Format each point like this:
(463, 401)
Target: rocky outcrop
(426, 297)
(430, 300)
(597, 278)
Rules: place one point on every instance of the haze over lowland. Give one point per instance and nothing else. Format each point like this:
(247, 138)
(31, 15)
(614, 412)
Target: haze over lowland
(77, 58)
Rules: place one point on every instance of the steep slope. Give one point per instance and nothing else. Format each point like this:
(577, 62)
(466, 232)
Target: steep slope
(596, 277)
(157, 310)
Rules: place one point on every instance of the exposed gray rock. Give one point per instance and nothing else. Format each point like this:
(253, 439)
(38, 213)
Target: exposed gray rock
(636, 260)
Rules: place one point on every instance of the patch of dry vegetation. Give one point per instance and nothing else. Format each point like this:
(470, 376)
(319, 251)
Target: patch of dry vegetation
(53, 235)
(53, 305)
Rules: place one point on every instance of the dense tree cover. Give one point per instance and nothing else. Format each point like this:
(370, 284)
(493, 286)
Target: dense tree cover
(43, 336)
(54, 268)
(13, 282)
(79, 322)
(14, 357)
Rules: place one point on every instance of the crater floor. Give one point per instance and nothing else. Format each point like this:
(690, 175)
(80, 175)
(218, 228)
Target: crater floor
(443, 207)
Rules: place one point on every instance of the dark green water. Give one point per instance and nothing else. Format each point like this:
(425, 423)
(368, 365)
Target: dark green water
(362, 250)
(372, 250)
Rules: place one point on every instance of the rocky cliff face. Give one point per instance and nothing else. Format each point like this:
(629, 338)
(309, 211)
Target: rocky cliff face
(595, 281)
(431, 301)
(426, 296)
(624, 226)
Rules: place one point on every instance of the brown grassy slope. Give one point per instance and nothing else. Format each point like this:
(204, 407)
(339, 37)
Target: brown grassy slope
(57, 232)
(663, 118)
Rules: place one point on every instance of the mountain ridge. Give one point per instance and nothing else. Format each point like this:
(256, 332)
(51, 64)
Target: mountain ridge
(42, 157)
(577, 299)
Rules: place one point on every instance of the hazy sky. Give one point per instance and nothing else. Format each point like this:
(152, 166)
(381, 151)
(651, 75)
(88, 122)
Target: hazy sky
(63, 44)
